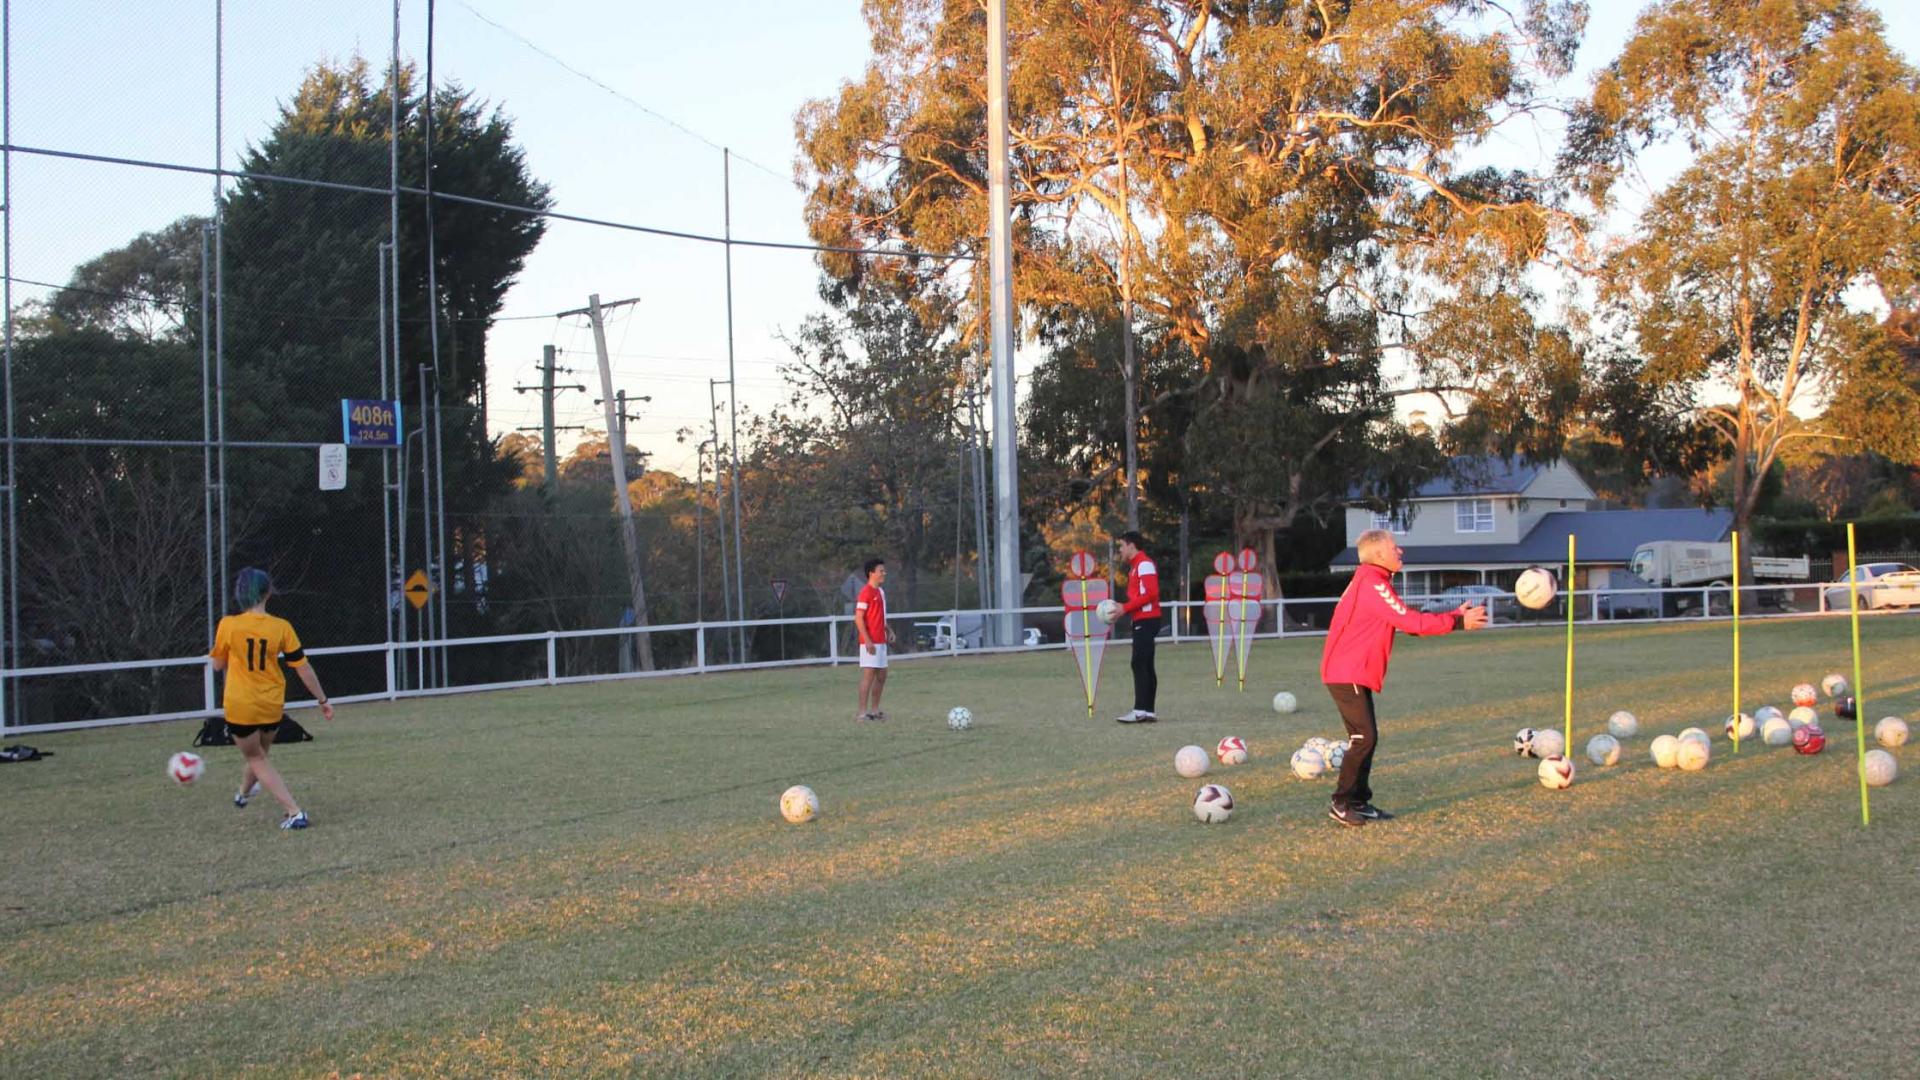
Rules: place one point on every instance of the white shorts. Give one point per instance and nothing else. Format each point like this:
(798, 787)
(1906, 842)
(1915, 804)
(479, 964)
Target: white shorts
(875, 659)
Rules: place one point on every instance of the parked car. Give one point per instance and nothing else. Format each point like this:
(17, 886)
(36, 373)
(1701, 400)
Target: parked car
(1499, 603)
(1882, 585)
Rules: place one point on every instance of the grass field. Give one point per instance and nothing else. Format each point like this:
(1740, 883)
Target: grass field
(593, 880)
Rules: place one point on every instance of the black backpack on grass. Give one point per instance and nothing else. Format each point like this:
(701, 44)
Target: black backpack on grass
(22, 752)
(213, 732)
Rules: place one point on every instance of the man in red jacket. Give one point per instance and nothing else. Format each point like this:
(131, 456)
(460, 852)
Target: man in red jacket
(1143, 603)
(1354, 663)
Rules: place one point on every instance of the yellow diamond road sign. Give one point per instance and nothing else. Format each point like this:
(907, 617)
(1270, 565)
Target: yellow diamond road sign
(418, 590)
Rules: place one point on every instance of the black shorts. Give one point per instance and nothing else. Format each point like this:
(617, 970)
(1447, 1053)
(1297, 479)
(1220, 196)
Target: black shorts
(237, 730)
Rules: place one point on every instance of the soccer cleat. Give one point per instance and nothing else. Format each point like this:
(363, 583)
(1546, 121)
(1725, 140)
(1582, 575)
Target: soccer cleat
(879, 714)
(240, 800)
(1372, 812)
(1136, 716)
(295, 821)
(1346, 816)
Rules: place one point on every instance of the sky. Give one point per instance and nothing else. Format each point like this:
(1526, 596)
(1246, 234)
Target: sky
(621, 107)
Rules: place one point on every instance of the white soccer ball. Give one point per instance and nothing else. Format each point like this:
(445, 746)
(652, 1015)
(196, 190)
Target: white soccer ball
(1767, 712)
(1191, 762)
(1556, 772)
(1549, 743)
(1603, 750)
(1523, 741)
(1802, 715)
(1805, 694)
(959, 718)
(1881, 768)
(1535, 588)
(1284, 702)
(1743, 725)
(184, 768)
(1666, 751)
(799, 804)
(1834, 685)
(1308, 764)
(1318, 745)
(1693, 754)
(1776, 731)
(1890, 732)
(1232, 750)
(1623, 725)
(1700, 734)
(1109, 611)
(1336, 756)
(1213, 805)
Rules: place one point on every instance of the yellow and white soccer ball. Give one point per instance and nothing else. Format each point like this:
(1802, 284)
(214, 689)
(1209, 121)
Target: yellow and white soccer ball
(1214, 804)
(1535, 588)
(1890, 732)
(1308, 764)
(1109, 611)
(1693, 754)
(1191, 762)
(1666, 751)
(1623, 725)
(799, 804)
(1284, 702)
(1603, 750)
(1556, 772)
(1881, 768)
(184, 768)
(1232, 750)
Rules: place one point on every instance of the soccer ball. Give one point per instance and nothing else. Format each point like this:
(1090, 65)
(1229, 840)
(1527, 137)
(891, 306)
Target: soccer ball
(1603, 750)
(1549, 743)
(1810, 739)
(1232, 750)
(1284, 702)
(1846, 708)
(1802, 715)
(1776, 731)
(1666, 751)
(1881, 768)
(1213, 805)
(1767, 712)
(959, 718)
(1697, 733)
(1833, 685)
(1623, 725)
(185, 768)
(1523, 741)
(799, 804)
(1741, 726)
(1308, 764)
(1336, 756)
(1556, 772)
(1693, 754)
(1805, 694)
(1109, 611)
(1191, 761)
(1890, 732)
(1535, 588)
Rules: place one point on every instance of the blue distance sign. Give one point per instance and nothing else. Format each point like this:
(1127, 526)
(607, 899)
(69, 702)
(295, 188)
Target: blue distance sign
(369, 423)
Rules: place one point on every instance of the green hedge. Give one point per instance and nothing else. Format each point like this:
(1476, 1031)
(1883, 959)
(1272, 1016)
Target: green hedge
(1820, 539)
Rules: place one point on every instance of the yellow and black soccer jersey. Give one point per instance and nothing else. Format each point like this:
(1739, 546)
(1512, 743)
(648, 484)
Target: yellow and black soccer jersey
(253, 644)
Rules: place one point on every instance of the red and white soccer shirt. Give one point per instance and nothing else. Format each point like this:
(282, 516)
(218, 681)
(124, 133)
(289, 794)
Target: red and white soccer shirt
(1143, 588)
(871, 611)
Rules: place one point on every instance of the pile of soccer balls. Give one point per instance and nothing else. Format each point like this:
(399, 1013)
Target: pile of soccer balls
(1319, 757)
(1556, 768)
(1214, 803)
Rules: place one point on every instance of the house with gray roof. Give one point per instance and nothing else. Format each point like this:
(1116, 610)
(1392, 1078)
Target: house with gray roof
(1486, 520)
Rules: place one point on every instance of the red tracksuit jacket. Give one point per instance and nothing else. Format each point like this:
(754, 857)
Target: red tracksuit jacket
(1143, 588)
(1360, 640)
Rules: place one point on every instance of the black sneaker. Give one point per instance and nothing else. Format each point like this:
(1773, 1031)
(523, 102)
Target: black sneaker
(1346, 816)
(1372, 812)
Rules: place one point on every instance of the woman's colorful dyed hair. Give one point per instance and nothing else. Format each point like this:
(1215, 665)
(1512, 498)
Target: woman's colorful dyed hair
(250, 587)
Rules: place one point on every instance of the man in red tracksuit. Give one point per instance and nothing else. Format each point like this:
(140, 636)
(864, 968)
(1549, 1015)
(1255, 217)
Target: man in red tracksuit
(1354, 664)
(1143, 603)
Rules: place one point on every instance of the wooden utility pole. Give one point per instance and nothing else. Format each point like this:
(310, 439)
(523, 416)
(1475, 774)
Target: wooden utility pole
(617, 454)
(547, 428)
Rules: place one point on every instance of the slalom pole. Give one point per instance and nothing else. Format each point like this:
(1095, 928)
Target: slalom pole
(1570, 598)
(1735, 718)
(1859, 696)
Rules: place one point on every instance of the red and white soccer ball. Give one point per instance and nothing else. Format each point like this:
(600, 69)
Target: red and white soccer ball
(1556, 772)
(1805, 695)
(1810, 739)
(1231, 751)
(184, 768)
(1213, 805)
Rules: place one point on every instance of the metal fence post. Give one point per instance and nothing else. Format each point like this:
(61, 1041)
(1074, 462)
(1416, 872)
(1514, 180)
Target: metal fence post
(392, 690)
(833, 640)
(700, 647)
(553, 659)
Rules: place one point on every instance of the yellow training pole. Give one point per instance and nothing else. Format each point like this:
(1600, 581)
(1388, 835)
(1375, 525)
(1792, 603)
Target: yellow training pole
(1735, 719)
(1569, 596)
(1859, 698)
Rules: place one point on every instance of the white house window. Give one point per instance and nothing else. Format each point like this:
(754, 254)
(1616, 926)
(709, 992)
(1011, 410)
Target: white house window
(1473, 515)
(1397, 521)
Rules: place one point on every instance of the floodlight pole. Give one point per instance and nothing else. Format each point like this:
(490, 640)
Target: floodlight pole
(1000, 311)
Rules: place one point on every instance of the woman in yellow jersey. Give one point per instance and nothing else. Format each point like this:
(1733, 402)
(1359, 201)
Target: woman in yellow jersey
(250, 647)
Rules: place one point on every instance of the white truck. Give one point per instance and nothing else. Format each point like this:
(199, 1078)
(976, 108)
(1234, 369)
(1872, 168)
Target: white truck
(1680, 564)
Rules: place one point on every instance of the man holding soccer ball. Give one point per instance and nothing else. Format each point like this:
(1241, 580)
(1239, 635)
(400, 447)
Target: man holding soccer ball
(1143, 603)
(1354, 663)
